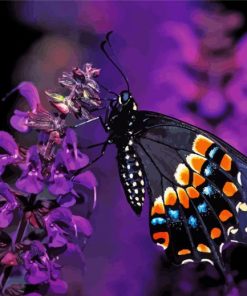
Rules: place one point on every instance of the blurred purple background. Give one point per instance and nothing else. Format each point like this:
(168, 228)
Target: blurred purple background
(187, 59)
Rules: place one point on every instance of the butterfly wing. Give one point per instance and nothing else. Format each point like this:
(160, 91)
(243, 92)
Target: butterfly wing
(196, 183)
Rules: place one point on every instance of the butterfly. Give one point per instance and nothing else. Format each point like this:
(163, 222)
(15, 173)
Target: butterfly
(196, 182)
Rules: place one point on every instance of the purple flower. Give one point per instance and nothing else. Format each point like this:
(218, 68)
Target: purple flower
(67, 200)
(41, 269)
(8, 144)
(31, 180)
(30, 93)
(62, 227)
(59, 182)
(72, 157)
(8, 204)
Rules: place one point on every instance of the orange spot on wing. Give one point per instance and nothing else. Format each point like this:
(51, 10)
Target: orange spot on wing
(184, 252)
(182, 174)
(170, 196)
(195, 162)
(197, 180)
(164, 236)
(201, 144)
(226, 162)
(158, 207)
(192, 192)
(203, 248)
(183, 197)
(215, 233)
(225, 215)
(230, 189)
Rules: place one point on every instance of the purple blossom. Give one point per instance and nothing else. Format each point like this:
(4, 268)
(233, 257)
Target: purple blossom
(72, 157)
(8, 204)
(7, 143)
(41, 269)
(59, 182)
(31, 180)
(52, 228)
(20, 119)
(62, 226)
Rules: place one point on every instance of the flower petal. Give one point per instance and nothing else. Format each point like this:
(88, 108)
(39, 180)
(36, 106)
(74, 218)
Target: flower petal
(10, 203)
(8, 143)
(58, 286)
(86, 179)
(19, 121)
(29, 91)
(67, 200)
(31, 180)
(82, 225)
(58, 225)
(60, 183)
(72, 157)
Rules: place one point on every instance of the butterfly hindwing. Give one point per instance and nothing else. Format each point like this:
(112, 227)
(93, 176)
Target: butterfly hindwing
(194, 181)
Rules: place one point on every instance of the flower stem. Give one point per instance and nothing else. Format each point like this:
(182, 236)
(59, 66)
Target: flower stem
(21, 231)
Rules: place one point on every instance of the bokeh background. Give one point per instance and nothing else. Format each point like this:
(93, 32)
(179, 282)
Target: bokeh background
(187, 59)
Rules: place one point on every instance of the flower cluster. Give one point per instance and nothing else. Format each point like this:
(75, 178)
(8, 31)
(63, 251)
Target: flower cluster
(42, 195)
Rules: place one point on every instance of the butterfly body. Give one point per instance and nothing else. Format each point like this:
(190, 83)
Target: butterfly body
(122, 127)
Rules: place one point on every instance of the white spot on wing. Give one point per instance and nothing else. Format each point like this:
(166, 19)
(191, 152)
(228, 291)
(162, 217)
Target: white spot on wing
(229, 230)
(234, 231)
(187, 261)
(207, 260)
(239, 178)
(221, 247)
(241, 206)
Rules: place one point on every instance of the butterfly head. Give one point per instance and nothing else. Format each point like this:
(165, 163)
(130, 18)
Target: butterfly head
(125, 99)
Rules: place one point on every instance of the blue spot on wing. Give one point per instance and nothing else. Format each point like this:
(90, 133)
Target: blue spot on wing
(174, 214)
(208, 190)
(202, 208)
(192, 221)
(208, 170)
(158, 221)
(213, 152)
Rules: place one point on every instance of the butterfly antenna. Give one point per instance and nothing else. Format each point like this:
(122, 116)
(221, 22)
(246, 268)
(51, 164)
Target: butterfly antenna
(9, 94)
(102, 46)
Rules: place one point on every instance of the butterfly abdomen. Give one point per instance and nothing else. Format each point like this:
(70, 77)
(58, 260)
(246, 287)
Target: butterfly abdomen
(132, 176)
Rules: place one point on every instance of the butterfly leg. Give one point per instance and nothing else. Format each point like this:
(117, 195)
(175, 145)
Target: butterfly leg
(95, 145)
(77, 172)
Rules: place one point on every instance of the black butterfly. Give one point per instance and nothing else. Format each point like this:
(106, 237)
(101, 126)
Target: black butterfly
(195, 181)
